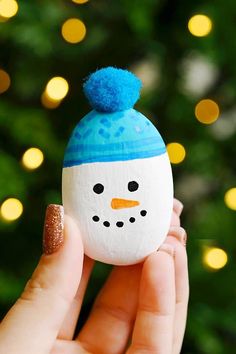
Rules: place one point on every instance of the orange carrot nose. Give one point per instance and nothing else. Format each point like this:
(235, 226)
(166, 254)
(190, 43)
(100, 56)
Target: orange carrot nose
(123, 203)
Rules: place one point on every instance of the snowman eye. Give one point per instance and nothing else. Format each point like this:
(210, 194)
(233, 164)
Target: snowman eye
(133, 186)
(98, 188)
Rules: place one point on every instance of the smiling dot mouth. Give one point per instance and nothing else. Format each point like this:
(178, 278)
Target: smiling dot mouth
(106, 223)
(119, 223)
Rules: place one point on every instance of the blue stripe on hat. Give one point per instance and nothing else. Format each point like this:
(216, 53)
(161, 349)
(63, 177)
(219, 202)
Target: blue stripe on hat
(114, 146)
(118, 136)
(121, 157)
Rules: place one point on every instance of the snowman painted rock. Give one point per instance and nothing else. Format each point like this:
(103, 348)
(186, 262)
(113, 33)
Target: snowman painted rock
(117, 180)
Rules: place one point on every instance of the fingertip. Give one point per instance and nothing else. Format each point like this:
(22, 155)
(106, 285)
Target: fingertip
(159, 264)
(157, 287)
(53, 233)
(175, 219)
(72, 233)
(179, 233)
(178, 206)
(70, 223)
(167, 248)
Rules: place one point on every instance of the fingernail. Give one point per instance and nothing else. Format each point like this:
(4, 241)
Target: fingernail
(53, 229)
(179, 233)
(168, 249)
(178, 207)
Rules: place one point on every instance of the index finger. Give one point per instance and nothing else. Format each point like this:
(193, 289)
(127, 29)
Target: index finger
(153, 330)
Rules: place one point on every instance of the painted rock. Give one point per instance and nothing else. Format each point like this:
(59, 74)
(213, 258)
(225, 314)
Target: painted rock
(117, 180)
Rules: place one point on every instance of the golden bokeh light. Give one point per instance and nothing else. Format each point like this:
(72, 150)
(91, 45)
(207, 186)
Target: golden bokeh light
(32, 158)
(215, 258)
(47, 102)
(230, 198)
(8, 8)
(73, 30)
(80, 1)
(3, 19)
(11, 209)
(5, 81)
(200, 25)
(207, 111)
(57, 88)
(176, 152)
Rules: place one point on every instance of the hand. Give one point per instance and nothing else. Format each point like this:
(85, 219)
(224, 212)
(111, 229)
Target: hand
(146, 301)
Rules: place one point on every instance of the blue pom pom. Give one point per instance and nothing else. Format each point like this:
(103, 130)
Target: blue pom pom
(111, 89)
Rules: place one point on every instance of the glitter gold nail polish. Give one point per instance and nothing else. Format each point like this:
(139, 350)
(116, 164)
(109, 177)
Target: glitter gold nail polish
(53, 229)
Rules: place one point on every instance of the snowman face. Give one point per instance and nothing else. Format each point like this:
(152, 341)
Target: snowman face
(123, 209)
(120, 203)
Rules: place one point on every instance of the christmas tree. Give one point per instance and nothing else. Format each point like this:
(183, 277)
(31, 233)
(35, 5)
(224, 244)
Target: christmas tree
(184, 53)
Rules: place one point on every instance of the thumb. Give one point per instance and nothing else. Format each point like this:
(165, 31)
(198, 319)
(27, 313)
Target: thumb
(36, 317)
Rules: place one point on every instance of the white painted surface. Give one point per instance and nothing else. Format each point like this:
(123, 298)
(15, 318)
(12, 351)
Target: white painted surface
(134, 241)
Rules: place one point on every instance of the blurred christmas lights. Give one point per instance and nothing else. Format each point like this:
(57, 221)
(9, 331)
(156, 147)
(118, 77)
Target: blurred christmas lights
(225, 127)
(176, 152)
(32, 158)
(8, 8)
(11, 209)
(200, 25)
(73, 30)
(5, 81)
(80, 1)
(198, 74)
(207, 111)
(149, 72)
(215, 258)
(57, 88)
(48, 102)
(230, 198)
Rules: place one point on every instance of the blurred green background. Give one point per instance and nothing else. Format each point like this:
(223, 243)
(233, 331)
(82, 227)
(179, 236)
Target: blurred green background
(178, 69)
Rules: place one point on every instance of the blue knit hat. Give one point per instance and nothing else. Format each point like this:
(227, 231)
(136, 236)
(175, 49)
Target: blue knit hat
(113, 131)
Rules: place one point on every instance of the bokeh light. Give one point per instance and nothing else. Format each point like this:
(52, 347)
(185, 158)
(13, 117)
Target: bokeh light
(11, 209)
(207, 111)
(215, 258)
(148, 71)
(8, 8)
(80, 1)
(200, 25)
(5, 81)
(49, 103)
(73, 30)
(57, 88)
(176, 152)
(198, 74)
(230, 198)
(32, 158)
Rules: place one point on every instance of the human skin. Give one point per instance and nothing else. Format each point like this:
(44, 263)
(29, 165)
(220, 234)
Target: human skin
(140, 309)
